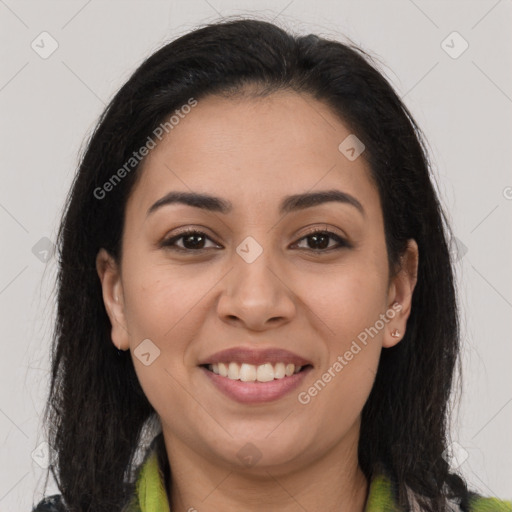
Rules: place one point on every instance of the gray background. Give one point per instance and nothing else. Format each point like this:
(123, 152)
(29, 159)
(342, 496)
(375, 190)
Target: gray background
(49, 106)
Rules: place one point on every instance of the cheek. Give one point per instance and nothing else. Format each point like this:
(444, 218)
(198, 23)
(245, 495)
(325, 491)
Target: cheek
(166, 305)
(346, 299)
(342, 384)
(347, 305)
(337, 397)
(159, 306)
(158, 297)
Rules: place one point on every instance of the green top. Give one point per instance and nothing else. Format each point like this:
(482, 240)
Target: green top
(151, 495)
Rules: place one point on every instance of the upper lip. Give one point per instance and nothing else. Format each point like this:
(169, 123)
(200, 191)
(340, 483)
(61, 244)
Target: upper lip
(255, 356)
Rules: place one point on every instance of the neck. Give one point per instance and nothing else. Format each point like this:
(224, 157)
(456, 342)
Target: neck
(331, 483)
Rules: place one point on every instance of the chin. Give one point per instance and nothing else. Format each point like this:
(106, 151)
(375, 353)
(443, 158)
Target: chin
(262, 453)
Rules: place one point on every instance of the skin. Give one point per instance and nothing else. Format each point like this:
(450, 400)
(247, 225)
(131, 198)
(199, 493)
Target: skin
(253, 152)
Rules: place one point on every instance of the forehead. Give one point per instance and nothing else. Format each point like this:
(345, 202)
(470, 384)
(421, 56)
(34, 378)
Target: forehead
(254, 151)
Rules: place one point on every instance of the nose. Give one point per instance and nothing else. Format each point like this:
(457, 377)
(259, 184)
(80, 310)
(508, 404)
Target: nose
(257, 295)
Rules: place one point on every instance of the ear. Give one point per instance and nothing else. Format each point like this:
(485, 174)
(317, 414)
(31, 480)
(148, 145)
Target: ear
(400, 292)
(111, 283)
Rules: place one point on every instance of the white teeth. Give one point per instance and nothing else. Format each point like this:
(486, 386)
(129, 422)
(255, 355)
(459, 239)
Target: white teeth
(279, 371)
(250, 372)
(247, 372)
(265, 373)
(233, 371)
(223, 370)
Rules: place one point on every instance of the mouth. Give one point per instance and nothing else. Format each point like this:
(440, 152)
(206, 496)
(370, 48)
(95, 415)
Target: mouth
(251, 376)
(246, 372)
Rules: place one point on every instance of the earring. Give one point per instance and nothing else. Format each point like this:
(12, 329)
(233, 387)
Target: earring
(395, 333)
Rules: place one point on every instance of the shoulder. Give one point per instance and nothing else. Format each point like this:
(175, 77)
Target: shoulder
(476, 503)
(479, 503)
(55, 503)
(51, 504)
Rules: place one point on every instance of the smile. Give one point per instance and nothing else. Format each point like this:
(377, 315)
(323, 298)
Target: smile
(255, 375)
(253, 390)
(246, 372)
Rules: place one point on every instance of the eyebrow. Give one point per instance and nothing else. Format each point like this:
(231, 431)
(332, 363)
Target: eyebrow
(289, 204)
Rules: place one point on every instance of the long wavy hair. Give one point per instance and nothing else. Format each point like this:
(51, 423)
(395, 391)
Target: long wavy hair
(96, 414)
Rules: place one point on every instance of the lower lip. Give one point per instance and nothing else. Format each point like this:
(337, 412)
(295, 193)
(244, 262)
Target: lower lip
(256, 392)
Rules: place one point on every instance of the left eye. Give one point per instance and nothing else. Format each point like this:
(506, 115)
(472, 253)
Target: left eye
(319, 238)
(196, 240)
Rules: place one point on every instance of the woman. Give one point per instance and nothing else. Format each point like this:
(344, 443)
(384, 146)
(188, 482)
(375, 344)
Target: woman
(255, 279)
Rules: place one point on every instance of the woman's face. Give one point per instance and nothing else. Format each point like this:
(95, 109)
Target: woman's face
(255, 281)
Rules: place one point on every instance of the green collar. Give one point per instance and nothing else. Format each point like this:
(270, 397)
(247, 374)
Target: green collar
(152, 497)
(150, 488)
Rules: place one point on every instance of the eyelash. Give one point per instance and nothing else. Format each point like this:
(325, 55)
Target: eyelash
(169, 243)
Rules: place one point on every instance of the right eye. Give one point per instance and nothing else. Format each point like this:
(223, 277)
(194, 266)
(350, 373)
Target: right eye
(192, 238)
